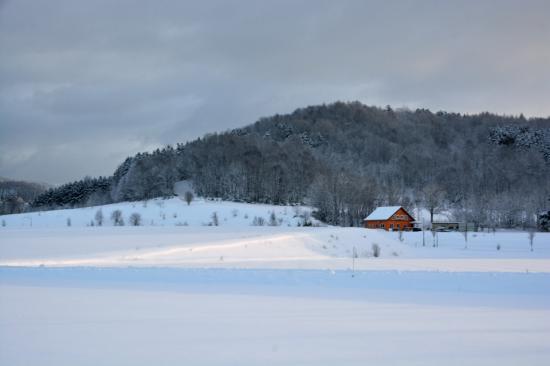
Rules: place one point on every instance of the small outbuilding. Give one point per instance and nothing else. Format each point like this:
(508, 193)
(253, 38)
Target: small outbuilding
(389, 218)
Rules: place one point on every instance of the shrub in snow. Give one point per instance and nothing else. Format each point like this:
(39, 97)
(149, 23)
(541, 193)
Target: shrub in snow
(375, 250)
(99, 217)
(68, 221)
(215, 220)
(246, 216)
(273, 219)
(235, 213)
(116, 218)
(498, 246)
(3, 222)
(188, 197)
(135, 219)
(258, 221)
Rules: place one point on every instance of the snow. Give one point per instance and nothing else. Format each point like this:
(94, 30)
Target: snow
(123, 316)
(383, 213)
(279, 247)
(167, 293)
(163, 212)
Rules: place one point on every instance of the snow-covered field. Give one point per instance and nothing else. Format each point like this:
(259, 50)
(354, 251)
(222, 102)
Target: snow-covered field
(177, 291)
(270, 247)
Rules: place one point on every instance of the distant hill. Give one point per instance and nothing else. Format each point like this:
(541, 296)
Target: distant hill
(346, 159)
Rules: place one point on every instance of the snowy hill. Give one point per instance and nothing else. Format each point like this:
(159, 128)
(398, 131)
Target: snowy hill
(167, 212)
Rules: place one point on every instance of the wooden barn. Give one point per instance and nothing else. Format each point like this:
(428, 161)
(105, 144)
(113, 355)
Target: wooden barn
(389, 218)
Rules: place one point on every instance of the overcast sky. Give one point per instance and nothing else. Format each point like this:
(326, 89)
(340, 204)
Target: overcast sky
(83, 84)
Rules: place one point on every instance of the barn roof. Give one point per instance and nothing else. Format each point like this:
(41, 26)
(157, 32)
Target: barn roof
(383, 213)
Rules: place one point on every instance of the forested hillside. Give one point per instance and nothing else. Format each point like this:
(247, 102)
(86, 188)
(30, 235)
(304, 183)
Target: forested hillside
(346, 159)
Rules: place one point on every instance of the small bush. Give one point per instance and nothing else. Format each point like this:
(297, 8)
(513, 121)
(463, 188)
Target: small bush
(258, 221)
(235, 213)
(188, 197)
(68, 221)
(498, 246)
(135, 219)
(375, 250)
(116, 218)
(273, 219)
(4, 223)
(99, 217)
(215, 220)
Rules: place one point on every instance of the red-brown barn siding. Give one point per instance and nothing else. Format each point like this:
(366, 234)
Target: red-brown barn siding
(400, 220)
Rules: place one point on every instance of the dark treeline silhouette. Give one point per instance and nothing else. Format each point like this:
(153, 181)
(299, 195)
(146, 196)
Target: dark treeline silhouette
(348, 158)
(15, 195)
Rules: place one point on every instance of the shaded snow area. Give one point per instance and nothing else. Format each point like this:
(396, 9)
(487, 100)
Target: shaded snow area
(176, 291)
(162, 316)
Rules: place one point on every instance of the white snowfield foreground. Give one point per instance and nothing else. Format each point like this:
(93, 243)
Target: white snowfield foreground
(175, 316)
(177, 292)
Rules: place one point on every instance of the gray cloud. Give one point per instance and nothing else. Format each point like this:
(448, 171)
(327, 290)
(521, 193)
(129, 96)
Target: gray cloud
(85, 83)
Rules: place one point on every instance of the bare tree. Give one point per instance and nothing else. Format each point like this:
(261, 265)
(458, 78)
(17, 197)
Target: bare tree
(376, 250)
(272, 219)
(433, 199)
(215, 220)
(99, 217)
(258, 221)
(188, 197)
(135, 219)
(116, 217)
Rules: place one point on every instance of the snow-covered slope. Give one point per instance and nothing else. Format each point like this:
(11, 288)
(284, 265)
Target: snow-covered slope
(165, 212)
